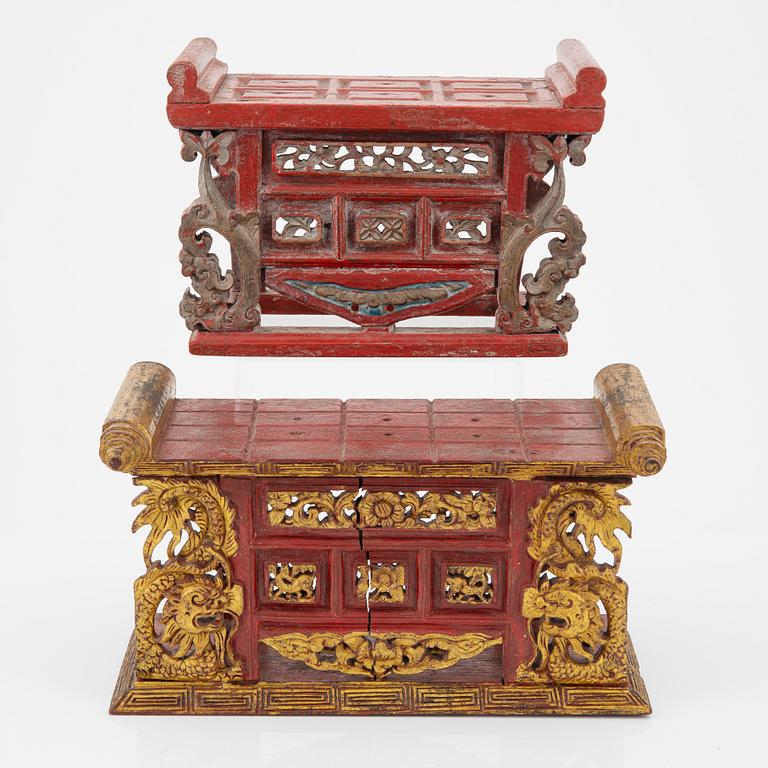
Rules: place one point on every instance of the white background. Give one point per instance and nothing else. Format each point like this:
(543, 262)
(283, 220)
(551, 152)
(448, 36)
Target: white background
(673, 201)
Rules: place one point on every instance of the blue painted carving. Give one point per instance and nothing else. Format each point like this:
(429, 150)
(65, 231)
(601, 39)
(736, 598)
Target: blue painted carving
(382, 301)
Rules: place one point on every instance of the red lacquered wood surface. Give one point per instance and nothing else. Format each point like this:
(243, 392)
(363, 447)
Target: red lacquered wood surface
(399, 431)
(424, 556)
(381, 199)
(567, 98)
(343, 342)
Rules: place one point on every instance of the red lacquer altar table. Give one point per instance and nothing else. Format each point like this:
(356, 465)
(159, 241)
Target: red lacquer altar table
(379, 200)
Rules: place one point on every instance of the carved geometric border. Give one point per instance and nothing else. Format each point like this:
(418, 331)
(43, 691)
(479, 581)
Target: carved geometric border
(513, 471)
(138, 697)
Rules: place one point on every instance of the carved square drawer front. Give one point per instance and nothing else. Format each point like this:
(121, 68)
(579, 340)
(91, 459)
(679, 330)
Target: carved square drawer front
(296, 228)
(468, 581)
(291, 579)
(465, 230)
(381, 229)
(291, 582)
(374, 231)
(470, 584)
(381, 582)
(380, 579)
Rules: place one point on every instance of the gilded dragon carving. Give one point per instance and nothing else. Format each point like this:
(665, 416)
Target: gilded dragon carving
(199, 601)
(292, 582)
(573, 641)
(379, 654)
(544, 308)
(469, 584)
(221, 301)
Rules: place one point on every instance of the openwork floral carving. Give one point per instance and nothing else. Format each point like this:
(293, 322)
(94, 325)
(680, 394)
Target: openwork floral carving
(406, 159)
(312, 509)
(471, 230)
(577, 612)
(406, 509)
(297, 229)
(228, 301)
(545, 306)
(377, 655)
(201, 604)
(469, 510)
(381, 583)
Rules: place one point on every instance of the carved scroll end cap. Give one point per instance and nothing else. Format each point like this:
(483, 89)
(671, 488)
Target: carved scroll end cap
(124, 446)
(128, 430)
(643, 451)
(577, 78)
(196, 74)
(629, 411)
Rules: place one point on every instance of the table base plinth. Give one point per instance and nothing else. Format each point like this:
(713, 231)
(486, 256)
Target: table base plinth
(390, 697)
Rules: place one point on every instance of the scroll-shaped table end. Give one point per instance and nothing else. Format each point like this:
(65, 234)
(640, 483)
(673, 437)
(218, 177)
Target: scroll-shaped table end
(128, 430)
(633, 419)
(196, 73)
(577, 78)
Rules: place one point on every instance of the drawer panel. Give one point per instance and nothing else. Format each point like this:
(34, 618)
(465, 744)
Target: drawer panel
(462, 230)
(298, 228)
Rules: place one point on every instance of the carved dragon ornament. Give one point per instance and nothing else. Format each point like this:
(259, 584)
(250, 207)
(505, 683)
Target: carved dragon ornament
(218, 301)
(577, 611)
(199, 602)
(544, 306)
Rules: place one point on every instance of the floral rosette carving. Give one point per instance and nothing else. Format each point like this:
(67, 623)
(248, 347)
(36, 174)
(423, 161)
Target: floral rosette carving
(381, 583)
(406, 509)
(201, 604)
(220, 301)
(381, 510)
(577, 611)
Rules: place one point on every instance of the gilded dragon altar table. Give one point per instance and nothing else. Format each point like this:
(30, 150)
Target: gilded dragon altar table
(381, 556)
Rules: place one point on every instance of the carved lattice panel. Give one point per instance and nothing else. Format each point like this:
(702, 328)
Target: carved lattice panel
(465, 230)
(439, 159)
(297, 228)
(383, 229)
